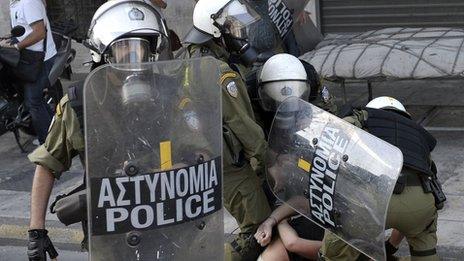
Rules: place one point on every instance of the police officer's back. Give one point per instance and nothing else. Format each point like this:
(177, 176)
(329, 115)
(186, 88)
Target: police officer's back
(417, 195)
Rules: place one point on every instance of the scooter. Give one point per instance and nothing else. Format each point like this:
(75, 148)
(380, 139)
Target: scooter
(14, 116)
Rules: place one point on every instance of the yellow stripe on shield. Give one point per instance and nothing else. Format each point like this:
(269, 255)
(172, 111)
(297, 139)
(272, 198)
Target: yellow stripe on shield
(165, 155)
(304, 165)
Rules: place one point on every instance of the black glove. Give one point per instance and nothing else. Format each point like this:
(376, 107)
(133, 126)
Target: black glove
(39, 243)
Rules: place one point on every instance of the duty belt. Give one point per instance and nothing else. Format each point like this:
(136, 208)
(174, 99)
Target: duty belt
(407, 179)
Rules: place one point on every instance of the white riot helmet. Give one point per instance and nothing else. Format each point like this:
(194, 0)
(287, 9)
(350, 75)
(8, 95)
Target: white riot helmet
(128, 31)
(387, 103)
(242, 29)
(211, 18)
(203, 28)
(282, 76)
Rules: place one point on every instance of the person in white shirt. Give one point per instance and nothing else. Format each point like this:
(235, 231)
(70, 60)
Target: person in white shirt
(31, 14)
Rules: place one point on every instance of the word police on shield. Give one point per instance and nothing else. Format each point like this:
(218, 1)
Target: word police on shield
(281, 16)
(329, 152)
(158, 199)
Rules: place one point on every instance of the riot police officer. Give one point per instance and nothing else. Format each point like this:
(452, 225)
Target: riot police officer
(284, 75)
(116, 35)
(221, 29)
(281, 77)
(417, 194)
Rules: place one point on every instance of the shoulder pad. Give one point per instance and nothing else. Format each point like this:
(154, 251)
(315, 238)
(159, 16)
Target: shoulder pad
(227, 75)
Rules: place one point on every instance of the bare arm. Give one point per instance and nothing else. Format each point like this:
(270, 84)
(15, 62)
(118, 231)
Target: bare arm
(38, 34)
(41, 189)
(295, 244)
(263, 234)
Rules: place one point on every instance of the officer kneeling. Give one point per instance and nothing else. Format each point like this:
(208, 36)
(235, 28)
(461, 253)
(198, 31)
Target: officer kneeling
(417, 195)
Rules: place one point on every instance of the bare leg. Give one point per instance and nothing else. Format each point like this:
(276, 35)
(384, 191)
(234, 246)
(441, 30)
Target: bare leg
(275, 251)
(41, 189)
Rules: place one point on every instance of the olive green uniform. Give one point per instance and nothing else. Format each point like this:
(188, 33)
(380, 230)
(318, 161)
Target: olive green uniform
(412, 212)
(64, 141)
(243, 194)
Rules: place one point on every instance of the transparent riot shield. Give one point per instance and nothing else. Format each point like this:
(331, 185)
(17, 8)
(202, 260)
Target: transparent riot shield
(284, 14)
(154, 168)
(289, 16)
(281, 15)
(335, 174)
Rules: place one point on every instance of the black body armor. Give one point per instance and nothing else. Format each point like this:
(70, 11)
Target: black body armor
(413, 140)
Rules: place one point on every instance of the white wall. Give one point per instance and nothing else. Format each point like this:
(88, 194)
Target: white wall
(4, 17)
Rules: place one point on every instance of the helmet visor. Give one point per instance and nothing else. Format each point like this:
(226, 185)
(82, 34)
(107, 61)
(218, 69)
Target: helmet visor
(130, 50)
(272, 94)
(236, 18)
